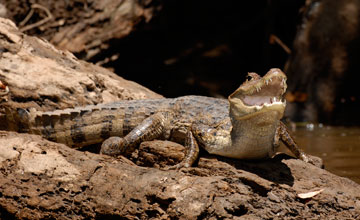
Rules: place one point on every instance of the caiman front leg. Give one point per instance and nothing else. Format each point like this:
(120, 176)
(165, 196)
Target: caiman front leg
(288, 140)
(151, 128)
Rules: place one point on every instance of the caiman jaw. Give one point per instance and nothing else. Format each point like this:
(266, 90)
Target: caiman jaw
(259, 94)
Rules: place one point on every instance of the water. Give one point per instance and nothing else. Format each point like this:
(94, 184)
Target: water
(339, 147)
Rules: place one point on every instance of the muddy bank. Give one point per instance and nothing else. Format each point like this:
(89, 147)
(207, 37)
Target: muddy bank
(339, 147)
(42, 179)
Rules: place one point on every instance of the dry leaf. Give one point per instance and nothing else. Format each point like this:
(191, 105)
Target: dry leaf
(309, 194)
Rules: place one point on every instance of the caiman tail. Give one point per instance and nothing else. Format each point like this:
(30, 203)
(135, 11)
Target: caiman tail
(17, 120)
(82, 126)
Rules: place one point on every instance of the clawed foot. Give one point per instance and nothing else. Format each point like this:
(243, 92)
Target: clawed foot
(177, 166)
(316, 161)
(113, 146)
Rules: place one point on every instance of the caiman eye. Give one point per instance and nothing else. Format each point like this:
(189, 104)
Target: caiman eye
(248, 78)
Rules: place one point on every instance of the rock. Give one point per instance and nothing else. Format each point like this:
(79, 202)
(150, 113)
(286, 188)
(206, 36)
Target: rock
(84, 185)
(39, 75)
(160, 153)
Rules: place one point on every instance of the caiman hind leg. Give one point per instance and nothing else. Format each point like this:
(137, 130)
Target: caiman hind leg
(151, 128)
(192, 153)
(288, 140)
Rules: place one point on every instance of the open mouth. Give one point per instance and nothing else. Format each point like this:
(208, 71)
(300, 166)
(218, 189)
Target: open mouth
(263, 91)
(266, 92)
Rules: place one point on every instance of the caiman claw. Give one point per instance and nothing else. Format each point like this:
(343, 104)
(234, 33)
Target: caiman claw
(178, 166)
(316, 161)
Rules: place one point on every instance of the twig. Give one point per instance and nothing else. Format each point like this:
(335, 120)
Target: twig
(26, 19)
(274, 39)
(36, 24)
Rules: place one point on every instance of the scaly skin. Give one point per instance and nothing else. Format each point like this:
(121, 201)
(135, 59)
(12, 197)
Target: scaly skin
(247, 126)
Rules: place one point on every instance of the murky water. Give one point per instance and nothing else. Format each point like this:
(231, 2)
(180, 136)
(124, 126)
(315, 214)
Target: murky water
(339, 147)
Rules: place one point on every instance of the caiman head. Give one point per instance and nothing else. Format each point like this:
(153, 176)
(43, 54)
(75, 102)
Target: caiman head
(259, 95)
(255, 110)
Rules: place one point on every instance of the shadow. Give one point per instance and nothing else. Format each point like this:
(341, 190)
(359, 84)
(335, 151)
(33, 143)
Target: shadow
(272, 169)
(93, 148)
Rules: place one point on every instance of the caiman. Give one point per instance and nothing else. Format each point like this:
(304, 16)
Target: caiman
(246, 126)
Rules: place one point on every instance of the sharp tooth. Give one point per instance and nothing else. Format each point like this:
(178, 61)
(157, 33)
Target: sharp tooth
(270, 80)
(258, 89)
(266, 82)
